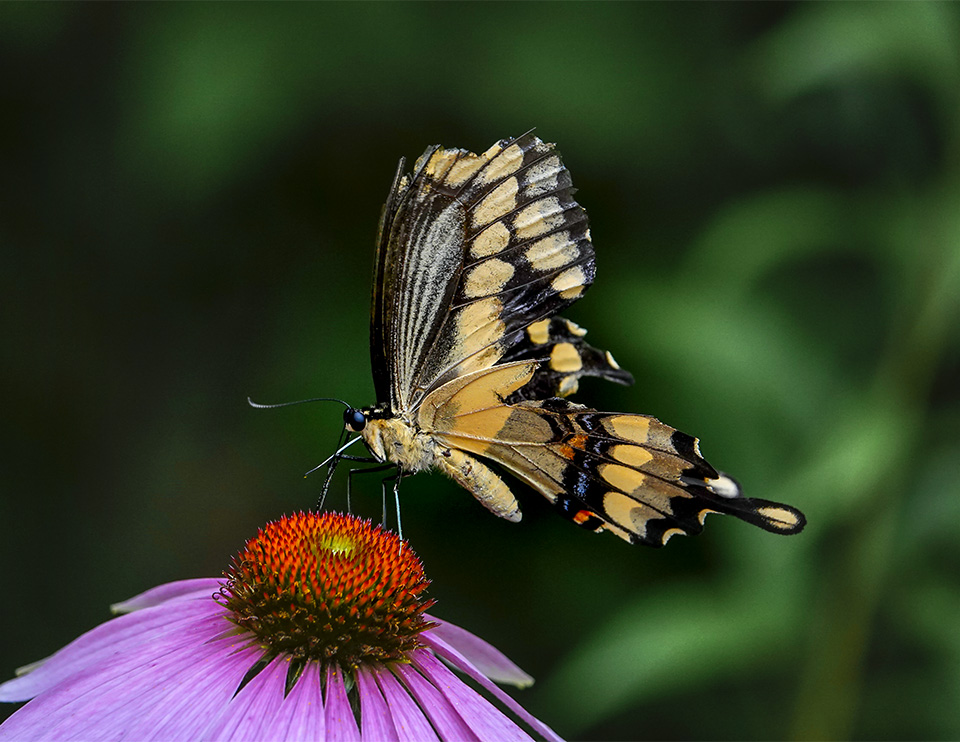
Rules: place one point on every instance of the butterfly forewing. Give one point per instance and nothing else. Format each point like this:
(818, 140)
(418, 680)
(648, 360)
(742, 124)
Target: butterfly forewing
(473, 249)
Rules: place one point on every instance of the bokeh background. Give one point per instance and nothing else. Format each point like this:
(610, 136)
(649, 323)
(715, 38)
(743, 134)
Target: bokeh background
(190, 195)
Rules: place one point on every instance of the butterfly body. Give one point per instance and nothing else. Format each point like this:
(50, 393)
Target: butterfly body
(472, 365)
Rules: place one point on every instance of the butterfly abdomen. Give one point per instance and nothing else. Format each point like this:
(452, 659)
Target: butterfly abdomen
(481, 481)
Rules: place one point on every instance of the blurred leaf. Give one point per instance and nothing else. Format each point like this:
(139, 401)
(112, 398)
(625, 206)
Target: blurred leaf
(750, 236)
(683, 636)
(823, 41)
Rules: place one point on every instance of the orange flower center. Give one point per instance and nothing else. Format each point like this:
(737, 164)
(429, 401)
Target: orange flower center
(328, 587)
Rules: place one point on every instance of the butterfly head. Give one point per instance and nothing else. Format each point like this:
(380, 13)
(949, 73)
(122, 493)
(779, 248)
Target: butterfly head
(355, 419)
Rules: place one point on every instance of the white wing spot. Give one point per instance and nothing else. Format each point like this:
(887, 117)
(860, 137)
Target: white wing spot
(724, 486)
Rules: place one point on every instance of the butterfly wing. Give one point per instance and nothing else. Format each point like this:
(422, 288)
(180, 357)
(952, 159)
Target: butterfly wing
(473, 249)
(629, 474)
(565, 356)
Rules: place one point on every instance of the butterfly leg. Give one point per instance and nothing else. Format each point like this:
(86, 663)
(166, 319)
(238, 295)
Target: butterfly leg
(370, 470)
(333, 467)
(395, 478)
(481, 481)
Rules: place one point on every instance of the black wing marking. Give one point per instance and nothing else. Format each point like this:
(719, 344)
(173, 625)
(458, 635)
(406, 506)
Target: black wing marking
(567, 357)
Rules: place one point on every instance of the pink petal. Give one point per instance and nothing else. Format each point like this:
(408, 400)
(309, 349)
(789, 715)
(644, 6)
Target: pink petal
(485, 719)
(375, 721)
(485, 657)
(452, 656)
(341, 726)
(250, 715)
(301, 715)
(408, 718)
(442, 713)
(126, 636)
(196, 588)
(183, 706)
(111, 699)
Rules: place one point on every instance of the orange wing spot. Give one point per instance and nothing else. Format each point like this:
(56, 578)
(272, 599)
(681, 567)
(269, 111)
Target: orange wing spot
(569, 447)
(582, 517)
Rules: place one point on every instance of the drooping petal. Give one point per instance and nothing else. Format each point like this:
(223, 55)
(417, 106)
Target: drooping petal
(435, 669)
(441, 712)
(485, 657)
(408, 718)
(340, 723)
(486, 721)
(196, 588)
(301, 717)
(376, 724)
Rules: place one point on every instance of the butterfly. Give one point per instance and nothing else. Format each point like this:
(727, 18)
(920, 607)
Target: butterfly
(472, 364)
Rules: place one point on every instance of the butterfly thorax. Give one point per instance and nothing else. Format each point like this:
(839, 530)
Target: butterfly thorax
(400, 442)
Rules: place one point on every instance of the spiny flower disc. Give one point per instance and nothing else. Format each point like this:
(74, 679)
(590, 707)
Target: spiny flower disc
(328, 587)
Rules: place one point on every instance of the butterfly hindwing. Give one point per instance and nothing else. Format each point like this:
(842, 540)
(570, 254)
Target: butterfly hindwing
(629, 474)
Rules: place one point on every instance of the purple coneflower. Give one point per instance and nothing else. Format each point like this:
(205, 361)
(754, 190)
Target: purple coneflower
(317, 632)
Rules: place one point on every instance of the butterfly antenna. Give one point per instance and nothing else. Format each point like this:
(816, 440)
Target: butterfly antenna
(299, 401)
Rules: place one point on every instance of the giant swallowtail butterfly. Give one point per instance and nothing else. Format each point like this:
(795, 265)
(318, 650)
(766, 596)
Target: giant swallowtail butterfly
(476, 256)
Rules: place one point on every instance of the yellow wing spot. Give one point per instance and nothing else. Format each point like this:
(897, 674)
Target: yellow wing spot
(611, 361)
(492, 152)
(702, 515)
(565, 358)
(479, 325)
(569, 284)
(574, 329)
(440, 162)
(623, 478)
(629, 427)
(487, 278)
(631, 455)
(539, 332)
(490, 241)
(542, 177)
(538, 218)
(671, 532)
(498, 202)
(568, 385)
(626, 512)
(779, 518)
(464, 168)
(554, 251)
(507, 163)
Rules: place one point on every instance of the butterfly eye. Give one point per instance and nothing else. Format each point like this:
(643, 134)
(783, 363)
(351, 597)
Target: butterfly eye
(354, 419)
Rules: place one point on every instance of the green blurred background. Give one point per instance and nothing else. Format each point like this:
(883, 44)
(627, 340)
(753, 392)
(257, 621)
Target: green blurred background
(190, 196)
